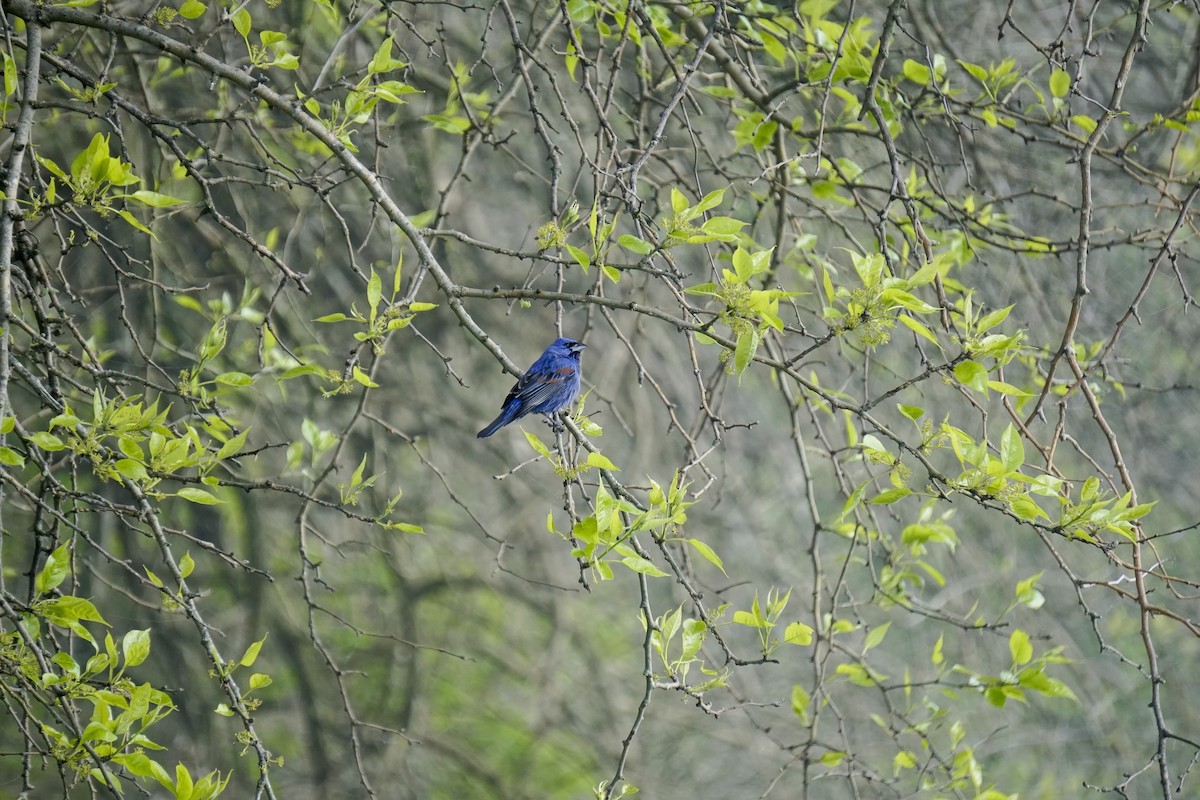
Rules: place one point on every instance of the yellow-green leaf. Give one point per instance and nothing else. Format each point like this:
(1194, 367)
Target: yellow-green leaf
(1060, 83)
(798, 633)
(194, 495)
(597, 460)
(1020, 647)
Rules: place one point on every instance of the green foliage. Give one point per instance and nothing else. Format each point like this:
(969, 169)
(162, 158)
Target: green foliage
(765, 618)
(953, 271)
(748, 313)
(379, 321)
(95, 173)
(343, 118)
(113, 740)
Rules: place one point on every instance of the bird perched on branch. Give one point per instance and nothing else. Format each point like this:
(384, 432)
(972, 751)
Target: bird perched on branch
(547, 387)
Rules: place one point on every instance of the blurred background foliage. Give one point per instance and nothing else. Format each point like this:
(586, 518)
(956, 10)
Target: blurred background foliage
(266, 266)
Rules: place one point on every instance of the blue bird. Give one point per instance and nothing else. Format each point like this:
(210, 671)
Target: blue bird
(547, 387)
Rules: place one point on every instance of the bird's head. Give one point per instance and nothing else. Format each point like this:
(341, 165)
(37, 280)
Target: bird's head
(567, 347)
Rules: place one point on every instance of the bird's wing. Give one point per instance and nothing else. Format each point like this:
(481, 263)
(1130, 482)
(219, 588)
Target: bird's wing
(536, 386)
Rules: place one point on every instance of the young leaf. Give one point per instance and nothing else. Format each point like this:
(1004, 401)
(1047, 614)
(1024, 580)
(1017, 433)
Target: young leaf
(241, 22)
(537, 444)
(597, 460)
(1012, 449)
(194, 495)
(707, 552)
(798, 633)
(634, 244)
(1060, 83)
(639, 564)
(56, 570)
(248, 658)
(1020, 647)
(875, 637)
(972, 374)
(135, 647)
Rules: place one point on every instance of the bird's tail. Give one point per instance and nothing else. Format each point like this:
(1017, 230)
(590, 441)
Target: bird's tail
(506, 416)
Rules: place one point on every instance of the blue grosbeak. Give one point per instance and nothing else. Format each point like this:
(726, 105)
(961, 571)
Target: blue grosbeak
(546, 388)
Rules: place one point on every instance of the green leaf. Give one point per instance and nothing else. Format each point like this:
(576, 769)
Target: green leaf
(800, 701)
(1027, 593)
(155, 199)
(374, 293)
(972, 374)
(1024, 507)
(750, 620)
(233, 446)
(597, 460)
(917, 72)
(823, 190)
(141, 765)
(580, 256)
(68, 664)
(798, 633)
(304, 369)
(135, 222)
(774, 47)
(537, 444)
(723, 227)
(131, 469)
(234, 379)
(10, 457)
(192, 9)
(747, 346)
(644, 566)
(679, 203)
(711, 289)
(382, 61)
(903, 760)
(70, 612)
(1060, 83)
(47, 441)
(1012, 449)
(10, 75)
(572, 60)
(194, 495)
(1020, 647)
(258, 681)
(875, 637)
(634, 244)
(241, 22)
(186, 565)
(993, 319)
(363, 378)
(977, 72)
(1083, 121)
(889, 496)
(899, 297)
(708, 553)
(56, 570)
(1090, 488)
(248, 658)
(135, 647)
(918, 328)
(1008, 388)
